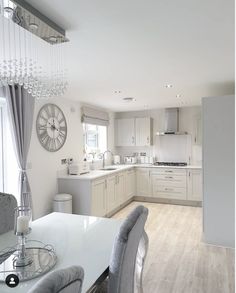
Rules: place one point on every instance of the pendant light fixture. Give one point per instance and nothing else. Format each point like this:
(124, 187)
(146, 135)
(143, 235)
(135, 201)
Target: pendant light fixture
(32, 50)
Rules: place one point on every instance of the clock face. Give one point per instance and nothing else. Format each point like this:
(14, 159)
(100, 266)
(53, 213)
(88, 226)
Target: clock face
(51, 127)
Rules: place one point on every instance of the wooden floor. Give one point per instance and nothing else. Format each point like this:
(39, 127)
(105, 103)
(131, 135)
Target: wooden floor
(178, 261)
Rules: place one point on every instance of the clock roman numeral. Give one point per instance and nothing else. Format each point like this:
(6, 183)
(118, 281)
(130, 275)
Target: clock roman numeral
(53, 111)
(43, 135)
(61, 120)
(63, 128)
(47, 111)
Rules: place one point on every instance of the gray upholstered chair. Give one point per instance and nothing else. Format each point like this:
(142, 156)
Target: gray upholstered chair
(69, 280)
(7, 205)
(128, 256)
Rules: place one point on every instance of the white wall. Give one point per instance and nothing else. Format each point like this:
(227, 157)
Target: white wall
(44, 165)
(218, 170)
(178, 147)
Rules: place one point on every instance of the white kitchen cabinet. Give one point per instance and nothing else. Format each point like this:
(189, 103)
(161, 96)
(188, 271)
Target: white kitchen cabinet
(130, 184)
(120, 188)
(143, 176)
(99, 191)
(169, 183)
(125, 132)
(194, 179)
(143, 130)
(197, 134)
(133, 131)
(112, 201)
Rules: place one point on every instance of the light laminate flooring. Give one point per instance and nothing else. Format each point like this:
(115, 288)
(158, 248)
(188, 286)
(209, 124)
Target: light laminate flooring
(178, 261)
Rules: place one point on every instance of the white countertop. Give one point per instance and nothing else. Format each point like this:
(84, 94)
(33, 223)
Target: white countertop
(95, 174)
(77, 240)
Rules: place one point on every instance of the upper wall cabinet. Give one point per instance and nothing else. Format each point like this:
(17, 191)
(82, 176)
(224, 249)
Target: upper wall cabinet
(143, 131)
(134, 132)
(125, 132)
(197, 138)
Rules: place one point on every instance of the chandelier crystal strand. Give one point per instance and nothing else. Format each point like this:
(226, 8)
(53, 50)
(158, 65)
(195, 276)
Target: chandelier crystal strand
(3, 50)
(28, 60)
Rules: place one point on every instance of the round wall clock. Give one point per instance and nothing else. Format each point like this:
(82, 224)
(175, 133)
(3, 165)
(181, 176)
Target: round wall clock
(51, 127)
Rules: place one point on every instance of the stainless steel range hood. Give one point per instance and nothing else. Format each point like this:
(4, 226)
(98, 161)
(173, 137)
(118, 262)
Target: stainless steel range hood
(171, 123)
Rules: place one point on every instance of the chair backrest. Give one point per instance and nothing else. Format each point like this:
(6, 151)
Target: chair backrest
(7, 205)
(123, 266)
(69, 280)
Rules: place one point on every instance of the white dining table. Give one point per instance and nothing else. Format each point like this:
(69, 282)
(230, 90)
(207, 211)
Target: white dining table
(78, 240)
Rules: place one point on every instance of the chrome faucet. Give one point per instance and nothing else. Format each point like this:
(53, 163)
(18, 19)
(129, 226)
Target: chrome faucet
(103, 157)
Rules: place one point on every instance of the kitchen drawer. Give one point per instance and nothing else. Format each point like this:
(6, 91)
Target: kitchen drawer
(170, 189)
(169, 178)
(99, 181)
(170, 183)
(170, 195)
(178, 172)
(169, 192)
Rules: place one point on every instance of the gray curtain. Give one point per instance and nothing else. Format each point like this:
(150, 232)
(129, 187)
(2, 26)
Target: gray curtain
(21, 110)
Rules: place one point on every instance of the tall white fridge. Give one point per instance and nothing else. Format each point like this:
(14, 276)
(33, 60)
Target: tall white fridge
(218, 170)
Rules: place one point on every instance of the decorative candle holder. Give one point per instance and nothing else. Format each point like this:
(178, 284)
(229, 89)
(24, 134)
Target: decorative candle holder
(22, 227)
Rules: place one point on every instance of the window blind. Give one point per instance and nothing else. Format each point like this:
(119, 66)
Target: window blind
(94, 116)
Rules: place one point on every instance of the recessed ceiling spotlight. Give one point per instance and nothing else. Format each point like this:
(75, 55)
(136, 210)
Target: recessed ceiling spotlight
(178, 96)
(33, 26)
(168, 86)
(117, 92)
(53, 39)
(129, 99)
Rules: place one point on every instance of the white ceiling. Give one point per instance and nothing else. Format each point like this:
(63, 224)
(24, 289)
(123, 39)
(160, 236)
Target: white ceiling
(137, 47)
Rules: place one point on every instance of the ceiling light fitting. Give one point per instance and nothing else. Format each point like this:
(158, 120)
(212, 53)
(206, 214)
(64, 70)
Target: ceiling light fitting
(168, 86)
(32, 50)
(129, 99)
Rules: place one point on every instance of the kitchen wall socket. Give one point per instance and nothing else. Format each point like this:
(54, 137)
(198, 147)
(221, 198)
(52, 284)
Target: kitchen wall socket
(63, 161)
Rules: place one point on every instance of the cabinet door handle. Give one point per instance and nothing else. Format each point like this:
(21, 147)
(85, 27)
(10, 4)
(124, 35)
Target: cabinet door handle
(133, 139)
(148, 140)
(169, 177)
(106, 183)
(168, 189)
(168, 171)
(189, 174)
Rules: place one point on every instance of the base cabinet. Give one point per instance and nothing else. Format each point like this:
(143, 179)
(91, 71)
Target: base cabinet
(120, 188)
(169, 183)
(111, 197)
(102, 196)
(99, 205)
(194, 186)
(130, 184)
(143, 176)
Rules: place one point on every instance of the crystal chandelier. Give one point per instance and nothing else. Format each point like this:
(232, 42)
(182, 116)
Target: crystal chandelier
(32, 50)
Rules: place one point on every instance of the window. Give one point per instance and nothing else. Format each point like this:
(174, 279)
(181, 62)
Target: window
(9, 170)
(95, 139)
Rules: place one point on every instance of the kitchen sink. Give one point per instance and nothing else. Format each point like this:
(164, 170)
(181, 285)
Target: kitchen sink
(108, 169)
